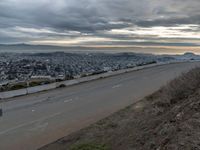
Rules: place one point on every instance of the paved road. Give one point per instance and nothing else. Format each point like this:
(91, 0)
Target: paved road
(32, 121)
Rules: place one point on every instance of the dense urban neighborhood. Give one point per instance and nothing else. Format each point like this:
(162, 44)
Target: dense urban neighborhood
(18, 70)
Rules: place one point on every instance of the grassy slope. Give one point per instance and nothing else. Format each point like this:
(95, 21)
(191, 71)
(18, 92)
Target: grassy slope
(168, 119)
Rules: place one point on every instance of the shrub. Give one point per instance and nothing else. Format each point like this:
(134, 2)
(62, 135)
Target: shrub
(62, 86)
(182, 86)
(32, 84)
(17, 87)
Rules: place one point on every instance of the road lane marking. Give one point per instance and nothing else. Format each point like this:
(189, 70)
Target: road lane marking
(116, 86)
(67, 101)
(29, 123)
(39, 126)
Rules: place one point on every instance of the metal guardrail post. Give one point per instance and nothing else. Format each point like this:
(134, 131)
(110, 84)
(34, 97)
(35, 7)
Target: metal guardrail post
(1, 112)
(1, 107)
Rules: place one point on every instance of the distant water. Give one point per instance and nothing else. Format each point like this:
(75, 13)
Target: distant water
(33, 51)
(72, 50)
(49, 49)
(23, 48)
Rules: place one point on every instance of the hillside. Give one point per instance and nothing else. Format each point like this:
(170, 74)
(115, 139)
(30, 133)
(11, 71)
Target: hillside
(168, 119)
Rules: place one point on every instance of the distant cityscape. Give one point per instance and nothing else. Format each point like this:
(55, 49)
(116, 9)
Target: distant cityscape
(26, 69)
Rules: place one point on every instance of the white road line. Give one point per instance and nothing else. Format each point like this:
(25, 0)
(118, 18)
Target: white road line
(40, 127)
(67, 101)
(116, 86)
(29, 123)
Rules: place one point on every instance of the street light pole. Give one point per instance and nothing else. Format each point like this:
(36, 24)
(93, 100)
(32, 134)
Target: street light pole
(64, 67)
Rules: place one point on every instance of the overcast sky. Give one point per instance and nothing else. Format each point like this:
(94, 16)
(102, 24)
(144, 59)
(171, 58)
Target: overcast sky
(100, 22)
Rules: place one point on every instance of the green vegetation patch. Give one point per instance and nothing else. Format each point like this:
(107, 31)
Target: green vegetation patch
(18, 86)
(32, 84)
(62, 86)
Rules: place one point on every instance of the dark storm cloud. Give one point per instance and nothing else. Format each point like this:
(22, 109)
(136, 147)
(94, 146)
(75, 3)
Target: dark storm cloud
(82, 15)
(50, 19)
(170, 21)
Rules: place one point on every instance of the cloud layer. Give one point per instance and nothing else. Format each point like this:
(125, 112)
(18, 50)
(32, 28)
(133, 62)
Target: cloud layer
(100, 22)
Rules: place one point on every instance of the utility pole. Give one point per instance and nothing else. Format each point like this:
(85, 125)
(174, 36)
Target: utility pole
(64, 67)
(27, 82)
(27, 86)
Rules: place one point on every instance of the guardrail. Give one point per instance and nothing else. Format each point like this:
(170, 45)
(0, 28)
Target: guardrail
(31, 90)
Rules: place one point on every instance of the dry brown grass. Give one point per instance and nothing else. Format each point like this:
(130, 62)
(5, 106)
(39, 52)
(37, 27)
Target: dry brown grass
(168, 119)
(178, 89)
(182, 86)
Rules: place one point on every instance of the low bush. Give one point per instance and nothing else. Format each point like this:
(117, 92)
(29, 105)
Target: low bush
(182, 86)
(18, 86)
(62, 86)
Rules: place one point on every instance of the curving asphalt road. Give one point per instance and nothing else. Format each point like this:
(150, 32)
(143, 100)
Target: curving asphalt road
(32, 121)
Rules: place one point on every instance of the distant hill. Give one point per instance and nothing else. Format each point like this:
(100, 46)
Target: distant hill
(26, 47)
(189, 55)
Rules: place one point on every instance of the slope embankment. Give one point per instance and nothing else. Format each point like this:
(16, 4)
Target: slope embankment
(168, 119)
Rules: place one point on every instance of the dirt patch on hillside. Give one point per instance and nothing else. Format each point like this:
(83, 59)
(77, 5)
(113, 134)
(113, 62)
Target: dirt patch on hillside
(168, 119)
